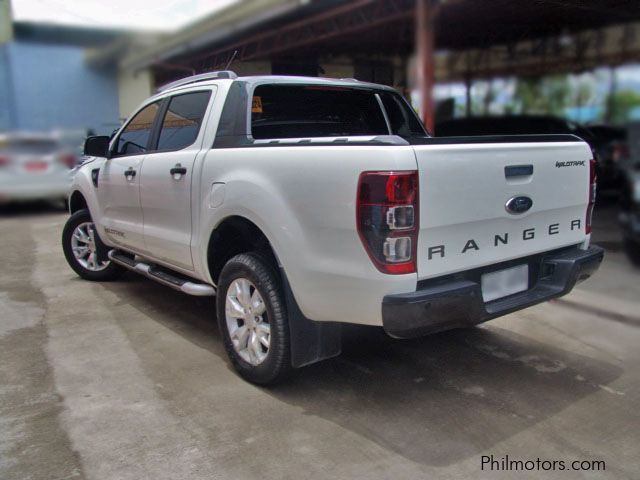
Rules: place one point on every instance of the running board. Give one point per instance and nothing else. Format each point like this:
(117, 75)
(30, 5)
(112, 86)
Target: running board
(163, 276)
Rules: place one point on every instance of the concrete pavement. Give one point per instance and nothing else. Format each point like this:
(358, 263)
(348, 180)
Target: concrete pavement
(128, 380)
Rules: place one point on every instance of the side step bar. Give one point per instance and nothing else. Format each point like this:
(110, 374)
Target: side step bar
(163, 276)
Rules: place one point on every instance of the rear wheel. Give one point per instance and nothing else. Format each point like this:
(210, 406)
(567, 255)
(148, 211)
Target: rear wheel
(253, 320)
(83, 250)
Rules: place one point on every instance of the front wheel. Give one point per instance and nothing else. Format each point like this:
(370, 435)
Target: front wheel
(253, 319)
(81, 246)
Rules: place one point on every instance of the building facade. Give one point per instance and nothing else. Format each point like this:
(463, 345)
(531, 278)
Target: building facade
(46, 83)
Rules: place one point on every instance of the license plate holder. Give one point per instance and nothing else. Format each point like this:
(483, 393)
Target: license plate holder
(502, 283)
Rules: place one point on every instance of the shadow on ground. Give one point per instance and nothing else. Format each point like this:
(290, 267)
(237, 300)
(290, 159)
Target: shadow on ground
(31, 209)
(435, 400)
(446, 397)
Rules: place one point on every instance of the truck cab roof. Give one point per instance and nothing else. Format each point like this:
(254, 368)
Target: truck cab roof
(227, 75)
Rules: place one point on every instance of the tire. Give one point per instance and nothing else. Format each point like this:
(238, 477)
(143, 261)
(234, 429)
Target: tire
(249, 357)
(89, 268)
(632, 248)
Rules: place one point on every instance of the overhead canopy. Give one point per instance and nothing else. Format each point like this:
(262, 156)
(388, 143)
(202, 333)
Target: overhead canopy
(296, 28)
(466, 24)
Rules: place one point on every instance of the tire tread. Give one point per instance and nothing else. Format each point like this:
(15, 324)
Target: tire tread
(279, 360)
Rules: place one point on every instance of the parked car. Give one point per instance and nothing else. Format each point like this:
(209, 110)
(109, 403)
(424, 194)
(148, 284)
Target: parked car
(612, 151)
(72, 141)
(508, 125)
(305, 203)
(630, 213)
(603, 141)
(34, 167)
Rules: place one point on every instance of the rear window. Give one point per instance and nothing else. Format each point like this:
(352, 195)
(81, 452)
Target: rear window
(292, 111)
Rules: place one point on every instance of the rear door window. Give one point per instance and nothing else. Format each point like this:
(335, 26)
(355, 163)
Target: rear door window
(297, 111)
(182, 120)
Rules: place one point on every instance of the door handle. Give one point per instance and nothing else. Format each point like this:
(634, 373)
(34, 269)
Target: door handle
(130, 173)
(518, 171)
(178, 170)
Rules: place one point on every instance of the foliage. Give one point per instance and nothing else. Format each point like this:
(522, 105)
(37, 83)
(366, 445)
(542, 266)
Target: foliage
(548, 95)
(621, 104)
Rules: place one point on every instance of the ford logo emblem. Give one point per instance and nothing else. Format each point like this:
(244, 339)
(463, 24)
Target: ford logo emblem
(518, 205)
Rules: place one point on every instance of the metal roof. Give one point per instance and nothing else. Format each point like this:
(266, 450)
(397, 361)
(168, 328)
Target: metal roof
(297, 27)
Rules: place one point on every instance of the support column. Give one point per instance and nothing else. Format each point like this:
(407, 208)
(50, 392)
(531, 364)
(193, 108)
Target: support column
(467, 84)
(613, 87)
(425, 13)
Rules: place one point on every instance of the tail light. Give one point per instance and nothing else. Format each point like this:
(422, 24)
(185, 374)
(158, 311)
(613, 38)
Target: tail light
(592, 195)
(4, 161)
(68, 159)
(387, 219)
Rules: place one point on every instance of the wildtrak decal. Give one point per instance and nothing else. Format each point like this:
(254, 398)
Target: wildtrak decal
(572, 163)
(111, 231)
(499, 240)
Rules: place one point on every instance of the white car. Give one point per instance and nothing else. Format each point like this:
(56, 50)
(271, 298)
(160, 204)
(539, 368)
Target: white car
(34, 166)
(305, 203)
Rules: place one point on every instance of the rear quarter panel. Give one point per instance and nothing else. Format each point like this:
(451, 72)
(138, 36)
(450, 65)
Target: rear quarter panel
(304, 200)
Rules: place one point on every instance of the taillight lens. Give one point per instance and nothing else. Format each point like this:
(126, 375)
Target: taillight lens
(387, 219)
(592, 195)
(4, 161)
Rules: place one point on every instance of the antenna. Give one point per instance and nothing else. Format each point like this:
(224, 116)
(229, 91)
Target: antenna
(233, 57)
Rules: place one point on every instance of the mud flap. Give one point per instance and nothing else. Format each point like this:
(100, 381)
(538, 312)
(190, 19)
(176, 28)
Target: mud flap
(310, 341)
(101, 249)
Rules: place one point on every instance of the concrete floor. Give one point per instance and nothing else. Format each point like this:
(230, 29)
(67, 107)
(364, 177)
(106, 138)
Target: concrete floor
(128, 380)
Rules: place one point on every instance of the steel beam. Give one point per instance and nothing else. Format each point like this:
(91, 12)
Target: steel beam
(349, 19)
(425, 38)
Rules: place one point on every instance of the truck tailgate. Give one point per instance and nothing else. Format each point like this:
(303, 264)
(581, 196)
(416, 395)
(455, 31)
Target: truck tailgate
(464, 189)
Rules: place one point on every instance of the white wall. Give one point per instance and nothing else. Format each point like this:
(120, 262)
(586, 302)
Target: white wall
(134, 88)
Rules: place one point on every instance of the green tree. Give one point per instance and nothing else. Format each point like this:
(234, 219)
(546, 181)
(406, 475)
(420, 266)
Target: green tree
(622, 102)
(542, 95)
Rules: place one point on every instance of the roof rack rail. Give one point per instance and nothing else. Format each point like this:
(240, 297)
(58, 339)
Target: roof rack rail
(199, 78)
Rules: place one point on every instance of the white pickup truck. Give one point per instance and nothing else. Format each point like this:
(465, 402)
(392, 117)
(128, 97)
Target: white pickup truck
(305, 203)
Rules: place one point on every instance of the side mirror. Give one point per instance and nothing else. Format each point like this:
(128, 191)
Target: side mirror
(96, 146)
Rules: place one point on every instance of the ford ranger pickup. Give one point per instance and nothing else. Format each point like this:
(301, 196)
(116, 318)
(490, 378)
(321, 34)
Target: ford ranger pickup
(301, 204)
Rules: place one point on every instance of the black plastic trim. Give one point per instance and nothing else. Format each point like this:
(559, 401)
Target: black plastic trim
(311, 341)
(157, 125)
(456, 300)
(95, 175)
(551, 138)
(518, 171)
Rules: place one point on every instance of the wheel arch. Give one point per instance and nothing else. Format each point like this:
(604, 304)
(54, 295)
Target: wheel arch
(234, 235)
(77, 201)
(310, 341)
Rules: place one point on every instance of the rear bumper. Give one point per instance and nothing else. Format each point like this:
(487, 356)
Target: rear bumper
(456, 300)
(19, 188)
